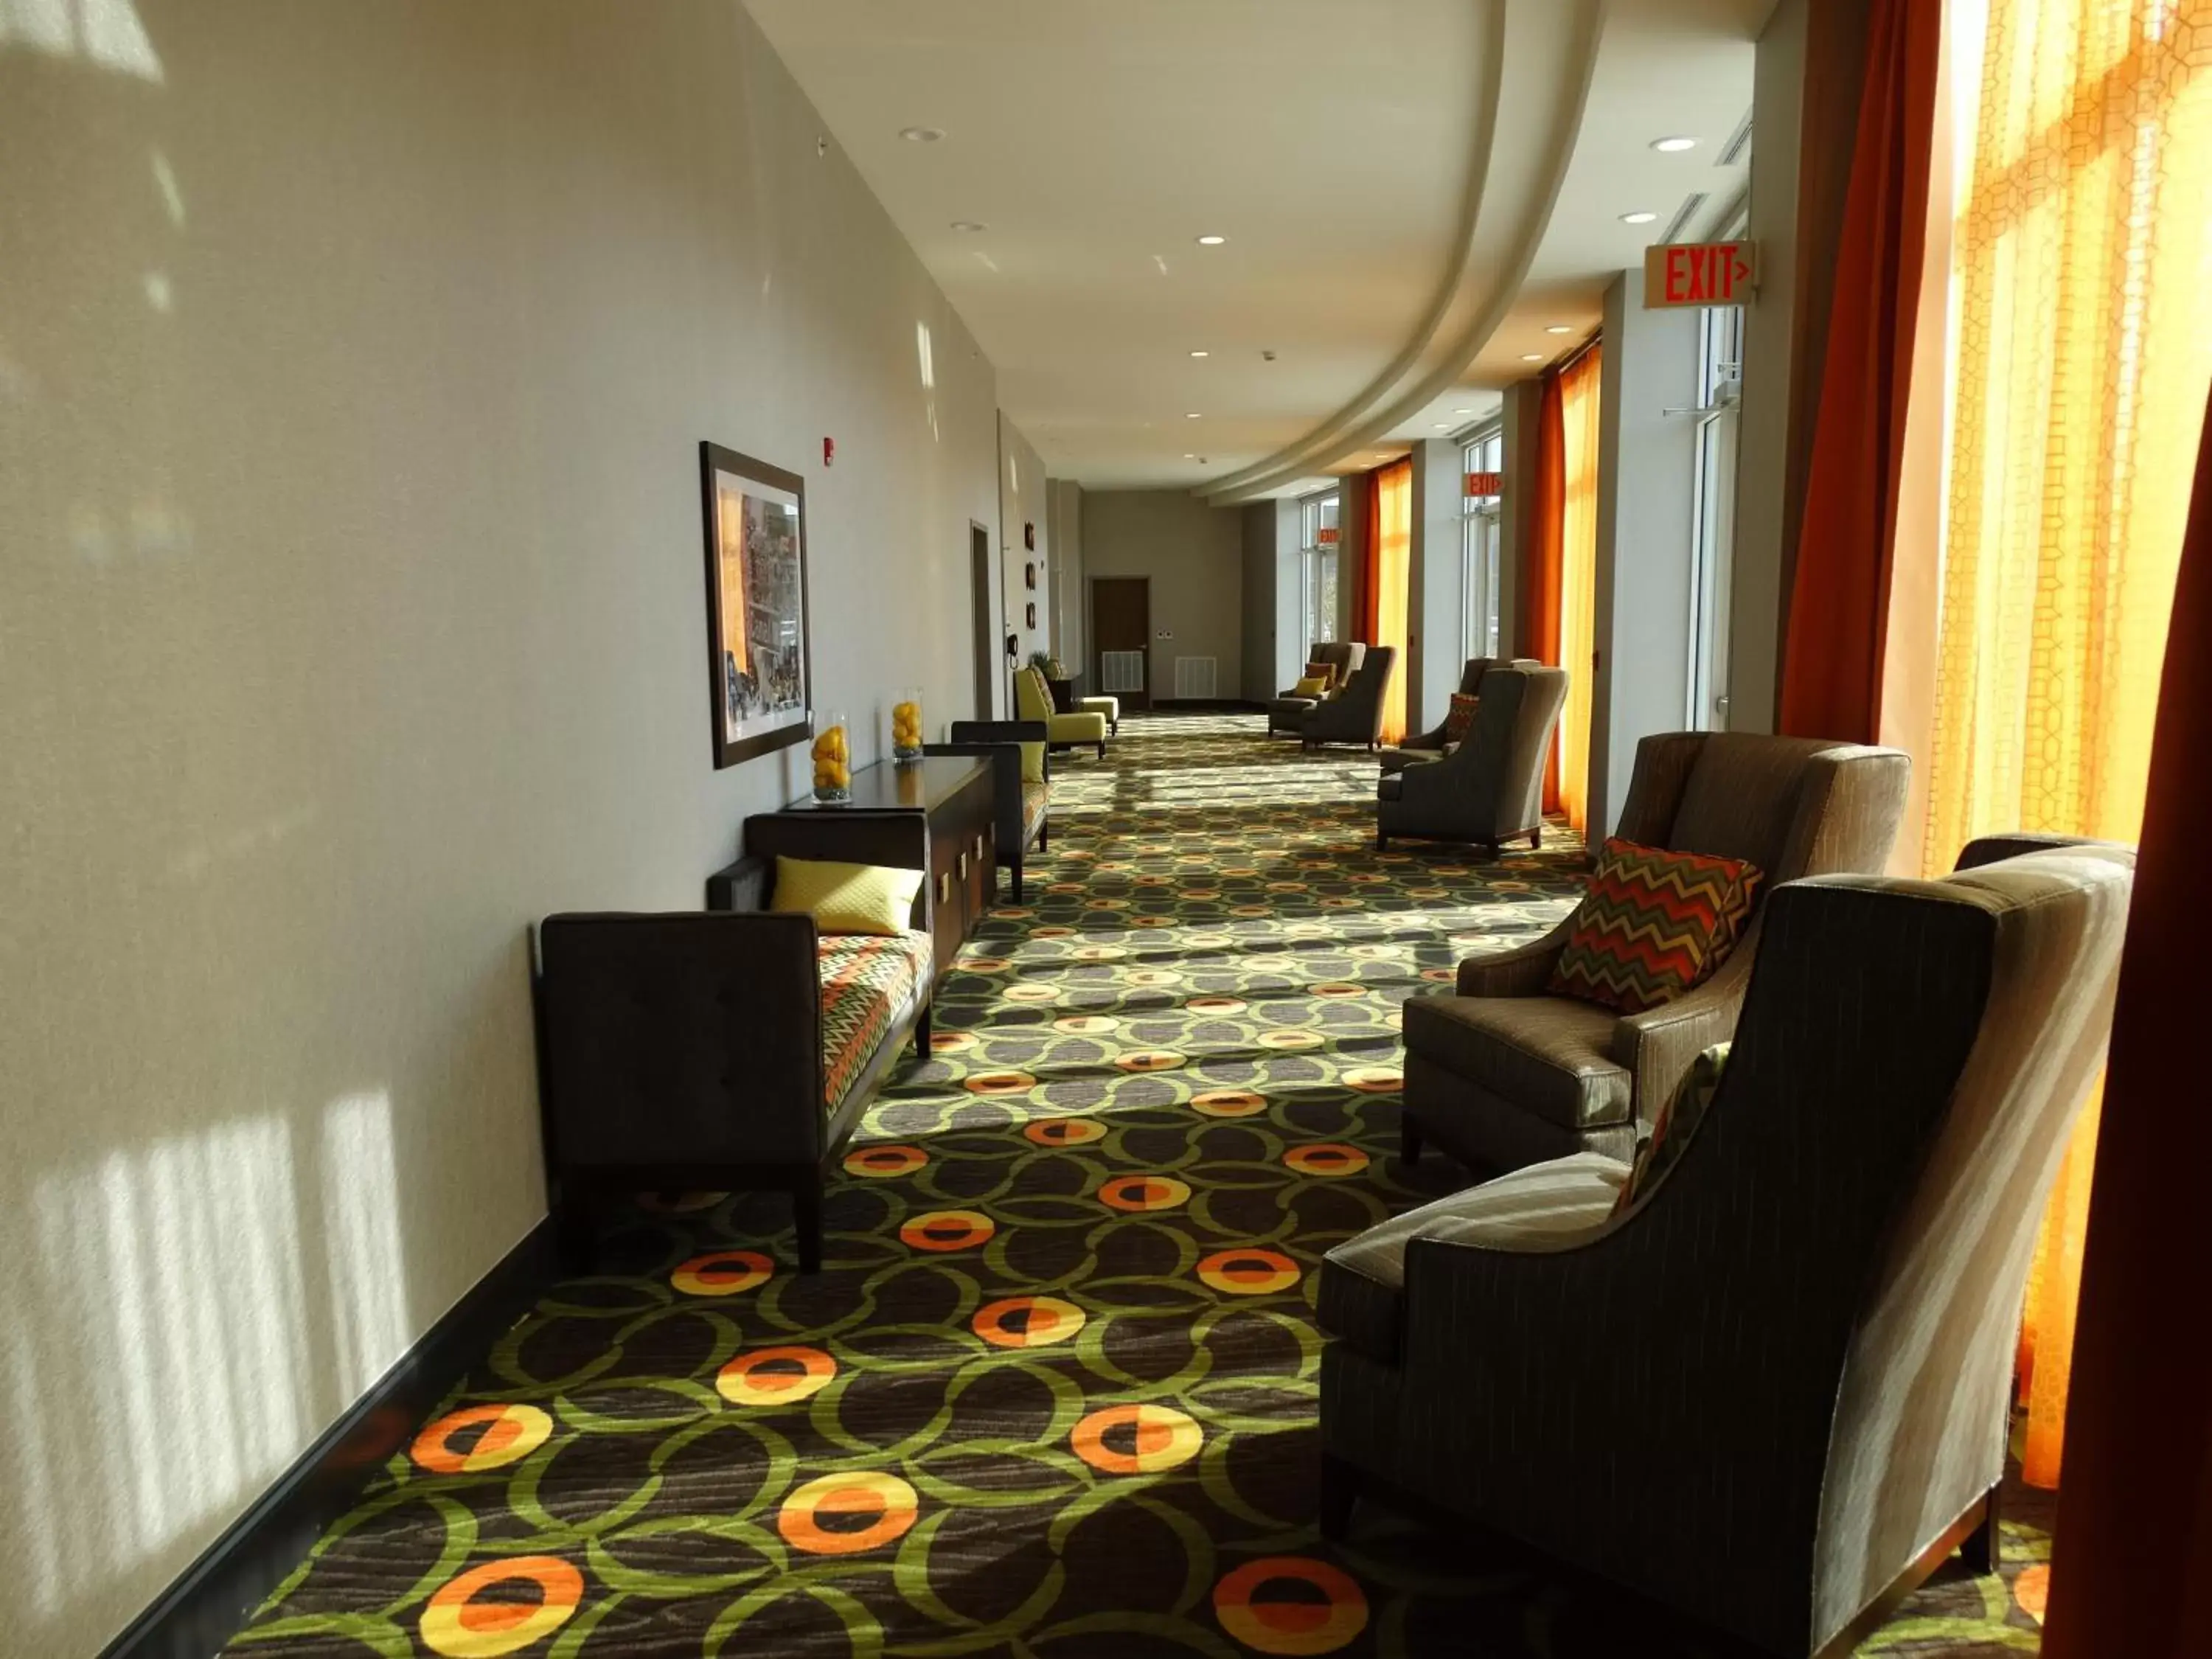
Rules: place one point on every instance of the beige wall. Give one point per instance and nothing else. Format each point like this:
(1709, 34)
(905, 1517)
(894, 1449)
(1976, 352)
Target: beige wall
(1064, 512)
(1021, 502)
(353, 364)
(1194, 554)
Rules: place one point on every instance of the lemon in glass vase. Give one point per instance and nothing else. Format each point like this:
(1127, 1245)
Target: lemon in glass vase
(833, 762)
(906, 726)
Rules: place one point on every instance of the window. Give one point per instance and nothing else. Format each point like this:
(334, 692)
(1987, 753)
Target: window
(1480, 531)
(1317, 559)
(1713, 551)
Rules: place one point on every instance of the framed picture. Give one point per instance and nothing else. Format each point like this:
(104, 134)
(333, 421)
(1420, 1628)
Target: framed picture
(1029, 575)
(1032, 617)
(758, 663)
(1029, 537)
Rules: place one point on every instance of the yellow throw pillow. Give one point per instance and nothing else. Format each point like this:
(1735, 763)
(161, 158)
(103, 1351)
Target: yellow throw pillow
(1032, 763)
(847, 898)
(1315, 687)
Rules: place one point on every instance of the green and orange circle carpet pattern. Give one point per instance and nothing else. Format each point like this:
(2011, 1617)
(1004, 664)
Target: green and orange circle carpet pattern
(1054, 1395)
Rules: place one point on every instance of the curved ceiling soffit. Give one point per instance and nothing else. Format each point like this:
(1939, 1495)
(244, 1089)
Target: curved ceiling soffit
(1571, 32)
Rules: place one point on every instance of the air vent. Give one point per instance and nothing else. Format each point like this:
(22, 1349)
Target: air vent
(1193, 679)
(1683, 216)
(1737, 150)
(1121, 671)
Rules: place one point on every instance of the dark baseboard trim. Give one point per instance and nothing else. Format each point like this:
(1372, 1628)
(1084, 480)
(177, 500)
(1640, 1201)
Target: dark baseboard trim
(1208, 705)
(215, 1596)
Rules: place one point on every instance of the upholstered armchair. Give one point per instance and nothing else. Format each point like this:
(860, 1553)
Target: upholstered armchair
(1505, 1073)
(1021, 810)
(1356, 714)
(1773, 1392)
(1289, 710)
(1490, 788)
(1033, 702)
(1434, 742)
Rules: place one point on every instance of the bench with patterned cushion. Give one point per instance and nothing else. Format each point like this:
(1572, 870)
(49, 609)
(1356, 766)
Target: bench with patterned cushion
(867, 982)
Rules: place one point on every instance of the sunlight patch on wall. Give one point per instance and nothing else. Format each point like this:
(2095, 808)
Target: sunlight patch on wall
(165, 1307)
(368, 1276)
(106, 32)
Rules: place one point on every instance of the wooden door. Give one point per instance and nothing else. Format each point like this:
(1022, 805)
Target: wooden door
(984, 586)
(1121, 621)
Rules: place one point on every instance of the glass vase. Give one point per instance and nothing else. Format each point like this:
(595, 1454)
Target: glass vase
(833, 760)
(906, 725)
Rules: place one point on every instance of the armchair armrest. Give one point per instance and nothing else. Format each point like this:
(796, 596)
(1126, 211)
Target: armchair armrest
(1659, 1045)
(1522, 971)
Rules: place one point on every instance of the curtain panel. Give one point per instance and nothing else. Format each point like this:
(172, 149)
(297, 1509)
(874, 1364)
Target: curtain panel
(1388, 592)
(2081, 368)
(1540, 588)
(1832, 665)
(1580, 428)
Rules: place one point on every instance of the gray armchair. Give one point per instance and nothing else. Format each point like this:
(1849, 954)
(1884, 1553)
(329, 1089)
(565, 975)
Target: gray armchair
(1504, 1074)
(1491, 787)
(1356, 716)
(1288, 711)
(1429, 745)
(1774, 1393)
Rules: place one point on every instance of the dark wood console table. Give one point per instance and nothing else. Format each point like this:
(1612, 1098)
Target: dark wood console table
(954, 796)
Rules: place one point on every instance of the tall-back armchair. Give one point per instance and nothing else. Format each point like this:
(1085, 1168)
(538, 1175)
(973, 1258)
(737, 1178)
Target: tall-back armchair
(1033, 702)
(1288, 709)
(1774, 1391)
(1356, 715)
(1427, 746)
(1505, 1073)
(1490, 788)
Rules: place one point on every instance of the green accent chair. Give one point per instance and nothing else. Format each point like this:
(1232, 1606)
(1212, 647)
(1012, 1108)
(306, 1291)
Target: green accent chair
(1033, 701)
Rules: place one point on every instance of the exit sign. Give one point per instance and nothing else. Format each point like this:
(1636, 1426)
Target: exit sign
(1699, 274)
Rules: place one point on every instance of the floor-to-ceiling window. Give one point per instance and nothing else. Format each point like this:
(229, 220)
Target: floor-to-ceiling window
(1480, 533)
(1720, 379)
(1317, 563)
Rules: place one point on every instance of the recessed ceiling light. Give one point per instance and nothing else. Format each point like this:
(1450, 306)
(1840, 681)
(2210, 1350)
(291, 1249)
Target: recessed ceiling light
(1463, 412)
(968, 227)
(1637, 218)
(1532, 356)
(1212, 242)
(1190, 454)
(1193, 415)
(1201, 353)
(1443, 426)
(921, 135)
(1560, 328)
(1673, 146)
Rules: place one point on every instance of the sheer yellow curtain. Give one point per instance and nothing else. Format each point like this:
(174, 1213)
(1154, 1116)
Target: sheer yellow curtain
(2082, 257)
(1393, 566)
(1579, 398)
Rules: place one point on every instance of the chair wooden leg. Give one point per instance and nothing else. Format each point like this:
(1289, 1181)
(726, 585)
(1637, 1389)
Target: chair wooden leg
(1340, 1494)
(577, 1235)
(806, 1218)
(1409, 1140)
(1102, 749)
(1978, 1549)
(1017, 880)
(1536, 839)
(922, 1025)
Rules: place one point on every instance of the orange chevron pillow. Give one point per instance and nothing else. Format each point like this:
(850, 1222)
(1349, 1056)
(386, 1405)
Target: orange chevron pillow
(1653, 923)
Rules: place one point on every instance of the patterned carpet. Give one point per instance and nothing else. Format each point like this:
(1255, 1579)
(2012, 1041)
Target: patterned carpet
(1054, 1395)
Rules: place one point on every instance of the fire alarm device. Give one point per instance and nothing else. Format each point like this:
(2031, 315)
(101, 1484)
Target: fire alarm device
(829, 452)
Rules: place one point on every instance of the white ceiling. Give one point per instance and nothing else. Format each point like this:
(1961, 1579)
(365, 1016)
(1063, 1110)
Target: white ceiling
(1385, 170)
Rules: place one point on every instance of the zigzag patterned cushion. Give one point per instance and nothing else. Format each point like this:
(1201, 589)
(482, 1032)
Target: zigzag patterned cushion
(1653, 923)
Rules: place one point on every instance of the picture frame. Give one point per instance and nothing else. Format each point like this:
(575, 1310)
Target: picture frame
(1029, 575)
(1032, 618)
(1029, 537)
(759, 657)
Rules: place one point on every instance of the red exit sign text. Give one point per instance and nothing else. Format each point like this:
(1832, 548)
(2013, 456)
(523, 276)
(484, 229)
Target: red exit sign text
(1699, 274)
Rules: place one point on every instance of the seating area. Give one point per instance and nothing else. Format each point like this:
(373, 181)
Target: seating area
(1102, 831)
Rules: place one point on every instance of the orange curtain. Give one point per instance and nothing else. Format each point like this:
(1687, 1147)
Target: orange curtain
(2081, 374)
(1832, 665)
(1578, 452)
(1388, 592)
(1540, 587)
(2131, 1566)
